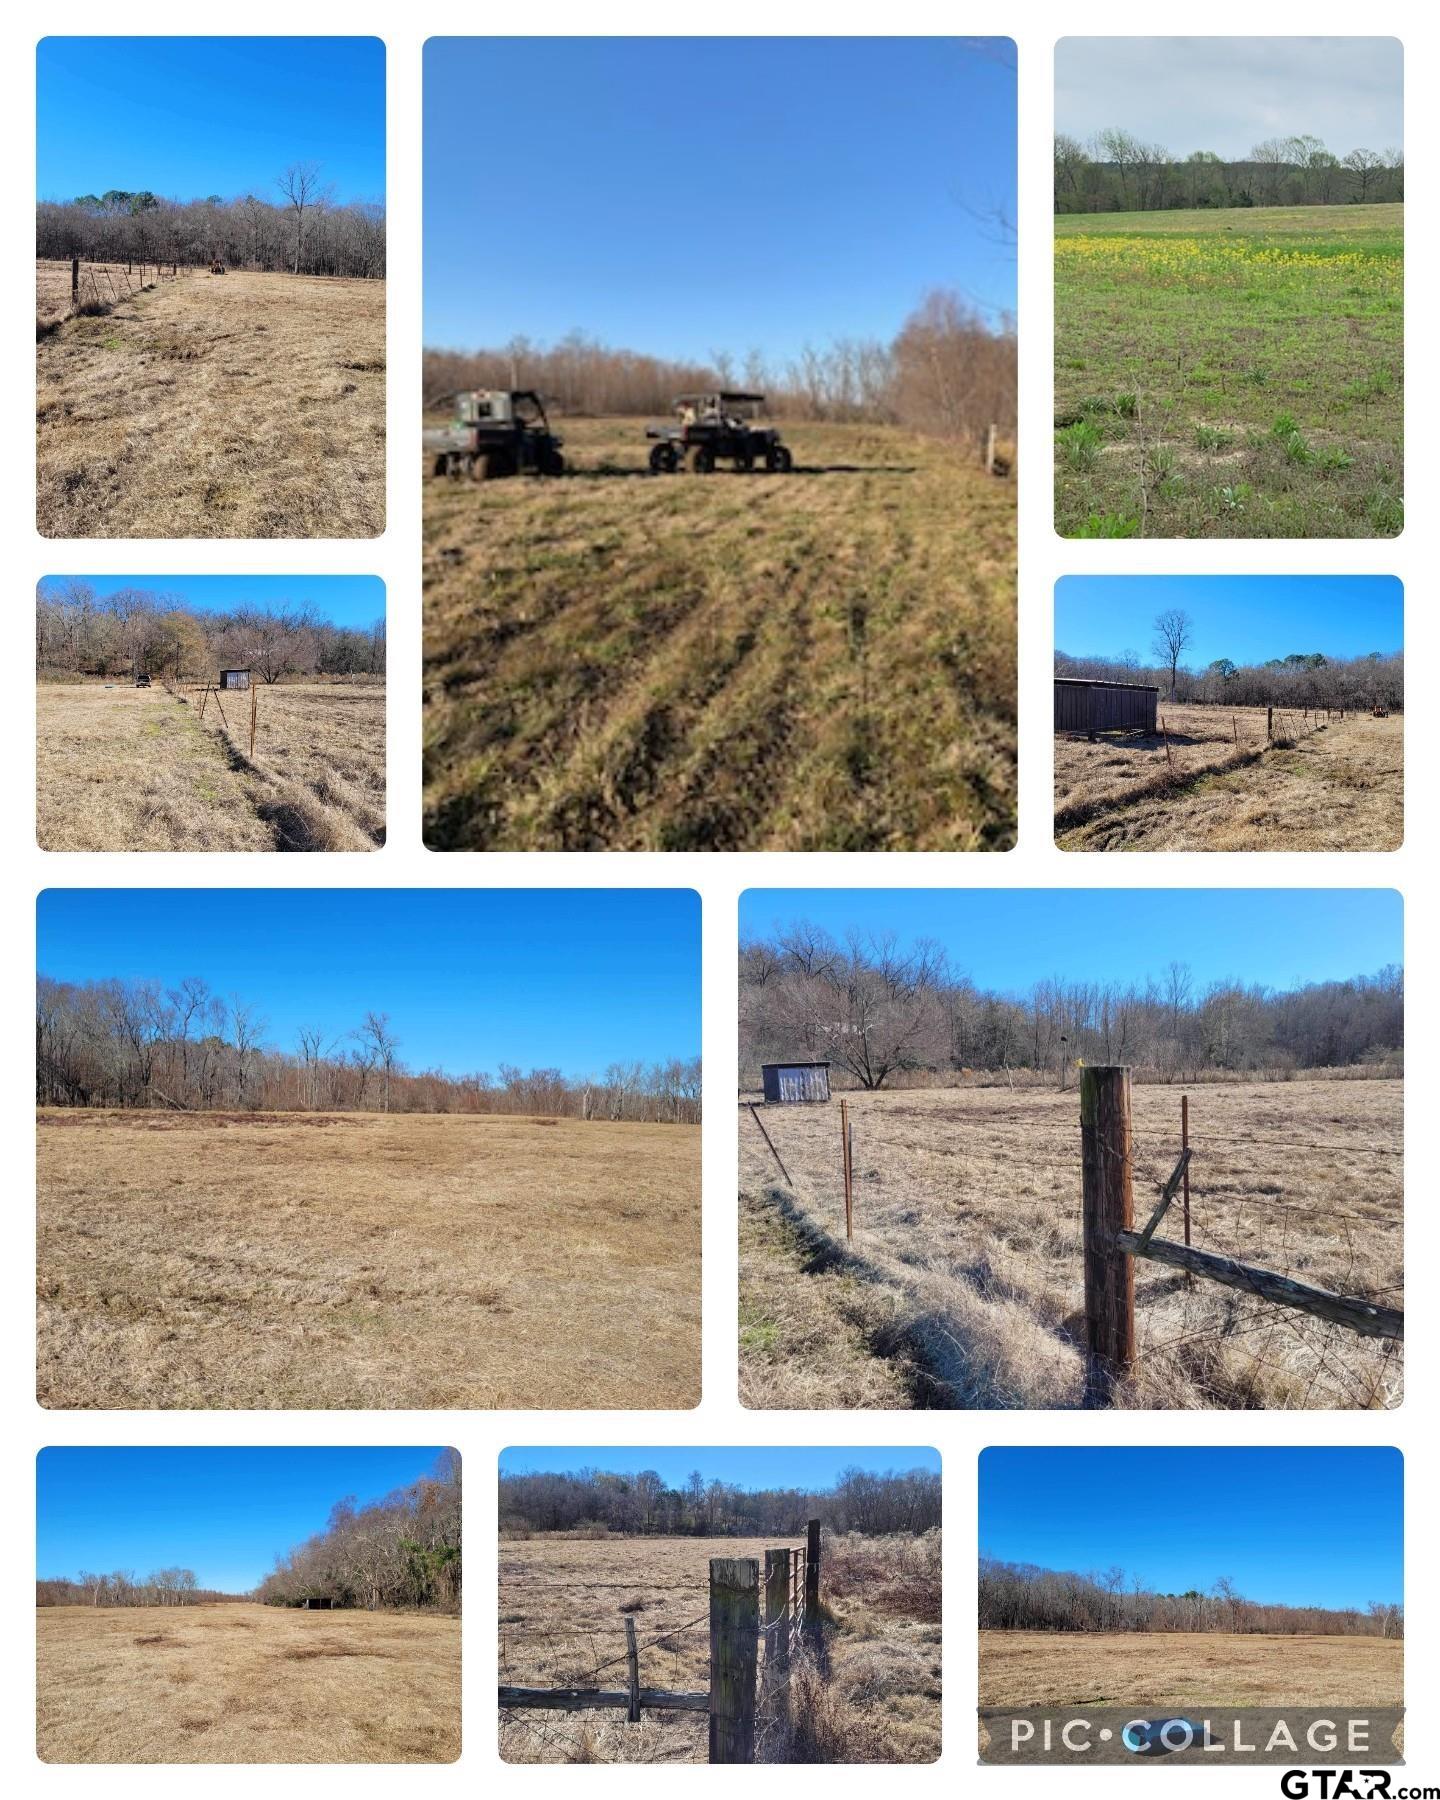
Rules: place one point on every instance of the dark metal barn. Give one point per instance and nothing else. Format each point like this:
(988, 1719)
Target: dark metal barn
(796, 1083)
(234, 678)
(1092, 706)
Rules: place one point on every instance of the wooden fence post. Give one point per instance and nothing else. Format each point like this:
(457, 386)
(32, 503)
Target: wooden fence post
(254, 693)
(989, 449)
(74, 280)
(1185, 1179)
(812, 1580)
(1269, 723)
(632, 1663)
(1108, 1207)
(845, 1167)
(734, 1624)
(777, 1614)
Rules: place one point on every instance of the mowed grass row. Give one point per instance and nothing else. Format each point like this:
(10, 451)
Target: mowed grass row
(1327, 783)
(366, 1260)
(824, 660)
(125, 768)
(1233, 373)
(240, 1683)
(964, 1285)
(243, 405)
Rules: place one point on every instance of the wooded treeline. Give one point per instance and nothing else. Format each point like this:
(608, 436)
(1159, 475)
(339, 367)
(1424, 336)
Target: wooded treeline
(883, 1013)
(402, 1551)
(947, 374)
(141, 1044)
(644, 1504)
(1358, 683)
(1117, 172)
(122, 1587)
(297, 226)
(1021, 1597)
(139, 631)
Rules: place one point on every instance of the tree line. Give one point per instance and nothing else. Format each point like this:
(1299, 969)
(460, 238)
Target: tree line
(139, 1043)
(138, 631)
(1117, 172)
(1301, 679)
(296, 225)
(122, 1587)
(947, 374)
(399, 1552)
(644, 1504)
(1021, 1597)
(883, 1013)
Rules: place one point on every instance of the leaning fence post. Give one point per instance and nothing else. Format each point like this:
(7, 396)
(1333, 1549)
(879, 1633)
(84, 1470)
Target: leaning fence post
(632, 1663)
(734, 1623)
(777, 1613)
(812, 1580)
(1108, 1207)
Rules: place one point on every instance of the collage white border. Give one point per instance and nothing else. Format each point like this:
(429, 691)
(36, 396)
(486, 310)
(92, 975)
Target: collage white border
(395, 557)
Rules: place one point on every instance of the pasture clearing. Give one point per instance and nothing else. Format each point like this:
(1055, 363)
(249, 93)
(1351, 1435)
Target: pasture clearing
(241, 1683)
(873, 1695)
(964, 1284)
(1325, 783)
(321, 1260)
(243, 405)
(126, 768)
(1230, 373)
(821, 660)
(1182, 1669)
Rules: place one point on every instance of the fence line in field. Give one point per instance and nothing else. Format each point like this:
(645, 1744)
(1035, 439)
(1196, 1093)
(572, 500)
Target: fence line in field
(755, 1628)
(82, 271)
(1111, 1245)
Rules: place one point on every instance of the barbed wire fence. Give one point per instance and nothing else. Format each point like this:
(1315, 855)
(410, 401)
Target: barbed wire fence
(755, 1634)
(1243, 1335)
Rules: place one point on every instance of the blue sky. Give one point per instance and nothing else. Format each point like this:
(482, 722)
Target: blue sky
(817, 1467)
(1008, 939)
(565, 978)
(1248, 618)
(683, 195)
(1297, 1526)
(349, 600)
(225, 1513)
(190, 116)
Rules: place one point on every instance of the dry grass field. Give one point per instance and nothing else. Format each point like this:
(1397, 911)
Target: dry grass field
(126, 768)
(964, 1284)
(241, 1683)
(821, 660)
(1325, 784)
(1187, 1669)
(563, 1604)
(243, 405)
(305, 1260)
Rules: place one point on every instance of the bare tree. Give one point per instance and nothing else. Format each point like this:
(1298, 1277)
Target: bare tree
(1173, 631)
(300, 184)
(384, 1045)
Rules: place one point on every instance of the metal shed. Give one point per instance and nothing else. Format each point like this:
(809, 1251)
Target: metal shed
(235, 678)
(1092, 706)
(796, 1083)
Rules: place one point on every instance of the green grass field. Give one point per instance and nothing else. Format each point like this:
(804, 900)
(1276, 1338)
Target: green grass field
(1230, 374)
